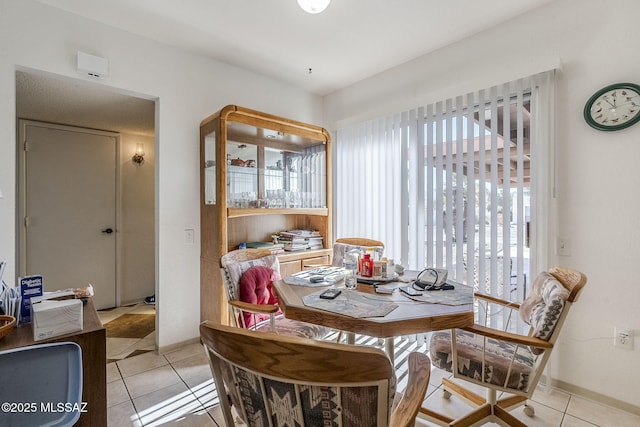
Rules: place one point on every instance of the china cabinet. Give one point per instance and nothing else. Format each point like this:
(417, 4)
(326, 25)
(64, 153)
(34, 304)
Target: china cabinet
(260, 175)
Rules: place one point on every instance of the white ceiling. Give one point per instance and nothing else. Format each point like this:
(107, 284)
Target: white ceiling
(83, 104)
(348, 42)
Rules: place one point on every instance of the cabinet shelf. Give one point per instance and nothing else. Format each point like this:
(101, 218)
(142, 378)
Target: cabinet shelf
(238, 212)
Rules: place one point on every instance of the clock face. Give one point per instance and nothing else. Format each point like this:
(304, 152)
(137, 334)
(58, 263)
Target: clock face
(614, 107)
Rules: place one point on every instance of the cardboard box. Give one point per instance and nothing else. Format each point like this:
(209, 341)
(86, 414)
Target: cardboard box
(51, 317)
(30, 287)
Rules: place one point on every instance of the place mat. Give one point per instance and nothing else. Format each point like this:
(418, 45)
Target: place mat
(462, 294)
(331, 275)
(350, 303)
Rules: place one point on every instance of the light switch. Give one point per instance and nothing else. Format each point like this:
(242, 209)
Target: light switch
(188, 236)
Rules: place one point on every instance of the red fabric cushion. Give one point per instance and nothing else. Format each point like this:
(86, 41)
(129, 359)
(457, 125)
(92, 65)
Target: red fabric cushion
(256, 288)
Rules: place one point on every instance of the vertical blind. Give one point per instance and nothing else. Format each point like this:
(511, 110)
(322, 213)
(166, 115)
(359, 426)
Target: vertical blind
(451, 184)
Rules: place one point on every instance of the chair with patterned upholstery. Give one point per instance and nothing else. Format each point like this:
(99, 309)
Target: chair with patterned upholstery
(276, 380)
(248, 275)
(500, 359)
(345, 244)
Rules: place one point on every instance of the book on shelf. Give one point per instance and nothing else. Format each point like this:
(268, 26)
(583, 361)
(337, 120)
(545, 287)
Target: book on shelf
(300, 240)
(294, 247)
(264, 245)
(274, 248)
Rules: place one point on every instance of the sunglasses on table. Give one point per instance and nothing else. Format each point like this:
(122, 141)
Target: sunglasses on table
(435, 280)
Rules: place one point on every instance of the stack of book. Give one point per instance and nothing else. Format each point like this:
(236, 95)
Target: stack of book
(300, 240)
(275, 248)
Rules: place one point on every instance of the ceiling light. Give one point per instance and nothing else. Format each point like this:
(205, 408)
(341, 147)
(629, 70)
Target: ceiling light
(313, 6)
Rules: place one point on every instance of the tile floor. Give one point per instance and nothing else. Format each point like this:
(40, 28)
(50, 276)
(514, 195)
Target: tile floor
(176, 388)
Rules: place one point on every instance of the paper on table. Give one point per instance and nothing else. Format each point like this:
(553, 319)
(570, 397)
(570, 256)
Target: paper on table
(331, 275)
(351, 303)
(460, 295)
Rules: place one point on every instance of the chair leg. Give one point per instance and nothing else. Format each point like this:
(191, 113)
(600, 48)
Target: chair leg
(511, 402)
(469, 396)
(507, 417)
(434, 417)
(487, 408)
(481, 413)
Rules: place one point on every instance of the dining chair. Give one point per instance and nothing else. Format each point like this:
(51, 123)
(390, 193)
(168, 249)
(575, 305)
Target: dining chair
(248, 275)
(497, 357)
(279, 381)
(345, 244)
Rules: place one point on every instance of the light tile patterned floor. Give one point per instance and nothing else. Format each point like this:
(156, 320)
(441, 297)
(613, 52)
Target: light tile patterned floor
(176, 388)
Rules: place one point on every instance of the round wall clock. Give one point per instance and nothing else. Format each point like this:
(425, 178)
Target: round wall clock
(614, 107)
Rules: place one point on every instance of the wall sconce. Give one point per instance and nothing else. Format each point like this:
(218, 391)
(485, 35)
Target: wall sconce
(138, 157)
(1, 195)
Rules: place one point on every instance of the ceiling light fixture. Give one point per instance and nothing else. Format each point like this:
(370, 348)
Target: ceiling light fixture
(314, 6)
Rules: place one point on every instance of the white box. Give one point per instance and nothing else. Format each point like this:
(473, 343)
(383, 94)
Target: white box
(93, 66)
(51, 318)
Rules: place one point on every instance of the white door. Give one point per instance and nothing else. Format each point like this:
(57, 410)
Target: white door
(70, 209)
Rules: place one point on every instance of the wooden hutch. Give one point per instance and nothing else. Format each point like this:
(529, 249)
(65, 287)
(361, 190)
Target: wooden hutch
(260, 175)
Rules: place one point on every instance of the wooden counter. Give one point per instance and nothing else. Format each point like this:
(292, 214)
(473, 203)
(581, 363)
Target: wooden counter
(92, 339)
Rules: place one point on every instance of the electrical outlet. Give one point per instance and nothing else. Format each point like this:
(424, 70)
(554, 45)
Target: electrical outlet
(623, 338)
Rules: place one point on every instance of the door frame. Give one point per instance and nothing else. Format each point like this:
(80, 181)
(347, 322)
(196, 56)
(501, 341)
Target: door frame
(21, 230)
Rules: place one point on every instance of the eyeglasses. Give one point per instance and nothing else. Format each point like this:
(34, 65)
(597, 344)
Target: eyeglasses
(436, 280)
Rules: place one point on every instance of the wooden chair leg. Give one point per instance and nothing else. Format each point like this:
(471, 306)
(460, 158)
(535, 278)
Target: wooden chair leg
(481, 413)
(507, 417)
(487, 407)
(469, 396)
(511, 402)
(434, 417)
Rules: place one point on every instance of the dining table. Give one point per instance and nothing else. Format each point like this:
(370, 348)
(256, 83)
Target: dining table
(406, 315)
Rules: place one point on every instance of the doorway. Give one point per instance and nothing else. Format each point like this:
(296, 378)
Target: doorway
(67, 102)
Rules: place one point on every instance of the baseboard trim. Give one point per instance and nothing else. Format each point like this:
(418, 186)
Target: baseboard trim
(601, 398)
(177, 346)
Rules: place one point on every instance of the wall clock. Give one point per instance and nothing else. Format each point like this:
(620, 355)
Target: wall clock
(614, 107)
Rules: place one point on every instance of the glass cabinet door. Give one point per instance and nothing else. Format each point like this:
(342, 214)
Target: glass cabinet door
(210, 169)
(242, 175)
(275, 172)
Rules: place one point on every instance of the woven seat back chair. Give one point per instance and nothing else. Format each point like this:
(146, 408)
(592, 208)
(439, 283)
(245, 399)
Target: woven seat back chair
(345, 244)
(248, 275)
(277, 380)
(500, 359)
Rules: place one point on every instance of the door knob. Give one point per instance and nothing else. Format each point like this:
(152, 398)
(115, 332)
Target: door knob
(108, 230)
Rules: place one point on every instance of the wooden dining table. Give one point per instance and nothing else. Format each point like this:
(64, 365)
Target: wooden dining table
(410, 317)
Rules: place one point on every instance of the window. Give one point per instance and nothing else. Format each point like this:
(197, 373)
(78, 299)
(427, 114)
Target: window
(450, 184)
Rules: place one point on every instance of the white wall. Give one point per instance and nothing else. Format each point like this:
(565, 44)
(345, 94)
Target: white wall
(136, 231)
(598, 175)
(188, 89)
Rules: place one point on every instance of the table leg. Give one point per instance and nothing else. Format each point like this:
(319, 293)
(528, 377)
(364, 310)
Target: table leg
(390, 348)
(351, 338)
